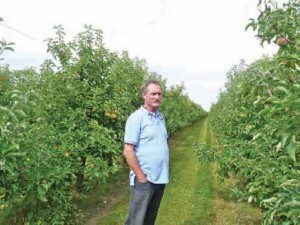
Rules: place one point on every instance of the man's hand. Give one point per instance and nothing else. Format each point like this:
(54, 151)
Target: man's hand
(142, 179)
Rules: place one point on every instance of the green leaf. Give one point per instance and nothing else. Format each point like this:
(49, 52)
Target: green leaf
(15, 154)
(284, 137)
(278, 146)
(270, 200)
(42, 198)
(42, 193)
(251, 24)
(273, 100)
(20, 112)
(4, 108)
(264, 111)
(290, 183)
(256, 136)
(9, 49)
(292, 203)
(13, 116)
(279, 90)
(291, 150)
(16, 91)
(2, 192)
(14, 95)
(293, 213)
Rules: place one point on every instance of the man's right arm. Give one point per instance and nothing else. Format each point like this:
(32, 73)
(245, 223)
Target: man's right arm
(133, 162)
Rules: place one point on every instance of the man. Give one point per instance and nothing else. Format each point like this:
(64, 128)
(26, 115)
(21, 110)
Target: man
(147, 154)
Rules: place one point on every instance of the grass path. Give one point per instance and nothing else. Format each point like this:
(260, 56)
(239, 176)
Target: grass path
(189, 196)
(193, 195)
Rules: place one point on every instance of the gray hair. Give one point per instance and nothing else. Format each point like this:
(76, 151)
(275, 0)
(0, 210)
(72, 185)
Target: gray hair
(145, 86)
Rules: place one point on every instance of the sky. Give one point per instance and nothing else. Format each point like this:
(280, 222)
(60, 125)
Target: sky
(194, 42)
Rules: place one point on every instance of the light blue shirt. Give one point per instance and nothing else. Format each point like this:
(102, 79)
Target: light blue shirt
(147, 132)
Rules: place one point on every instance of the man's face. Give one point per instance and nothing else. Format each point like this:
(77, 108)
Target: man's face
(152, 98)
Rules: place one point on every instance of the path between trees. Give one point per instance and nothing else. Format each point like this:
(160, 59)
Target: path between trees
(193, 195)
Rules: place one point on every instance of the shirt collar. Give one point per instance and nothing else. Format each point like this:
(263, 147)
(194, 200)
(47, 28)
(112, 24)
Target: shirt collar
(146, 112)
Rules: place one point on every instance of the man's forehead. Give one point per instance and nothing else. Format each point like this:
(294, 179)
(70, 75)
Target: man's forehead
(154, 87)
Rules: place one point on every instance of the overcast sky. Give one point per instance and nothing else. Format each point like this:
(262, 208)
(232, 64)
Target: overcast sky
(191, 41)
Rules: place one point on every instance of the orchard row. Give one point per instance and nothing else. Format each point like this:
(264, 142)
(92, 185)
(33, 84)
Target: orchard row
(62, 127)
(257, 120)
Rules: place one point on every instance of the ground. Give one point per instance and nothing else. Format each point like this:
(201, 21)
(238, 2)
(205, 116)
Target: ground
(193, 196)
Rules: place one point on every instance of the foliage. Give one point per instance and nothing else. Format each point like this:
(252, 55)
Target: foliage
(5, 46)
(256, 119)
(62, 127)
(206, 152)
(179, 111)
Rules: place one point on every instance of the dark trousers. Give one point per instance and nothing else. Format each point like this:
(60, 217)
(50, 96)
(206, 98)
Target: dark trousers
(144, 203)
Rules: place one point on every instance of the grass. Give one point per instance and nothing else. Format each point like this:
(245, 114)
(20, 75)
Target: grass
(228, 211)
(193, 196)
(189, 192)
(189, 197)
(103, 199)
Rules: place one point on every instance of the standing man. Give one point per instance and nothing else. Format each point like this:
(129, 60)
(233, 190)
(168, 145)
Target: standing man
(147, 154)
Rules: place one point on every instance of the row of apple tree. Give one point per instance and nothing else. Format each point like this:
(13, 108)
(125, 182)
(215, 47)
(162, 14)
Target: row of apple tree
(61, 127)
(257, 120)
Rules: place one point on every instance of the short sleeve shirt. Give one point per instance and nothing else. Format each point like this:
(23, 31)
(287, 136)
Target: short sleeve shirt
(147, 132)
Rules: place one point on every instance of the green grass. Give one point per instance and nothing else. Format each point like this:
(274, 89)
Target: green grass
(189, 196)
(104, 198)
(228, 211)
(192, 197)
